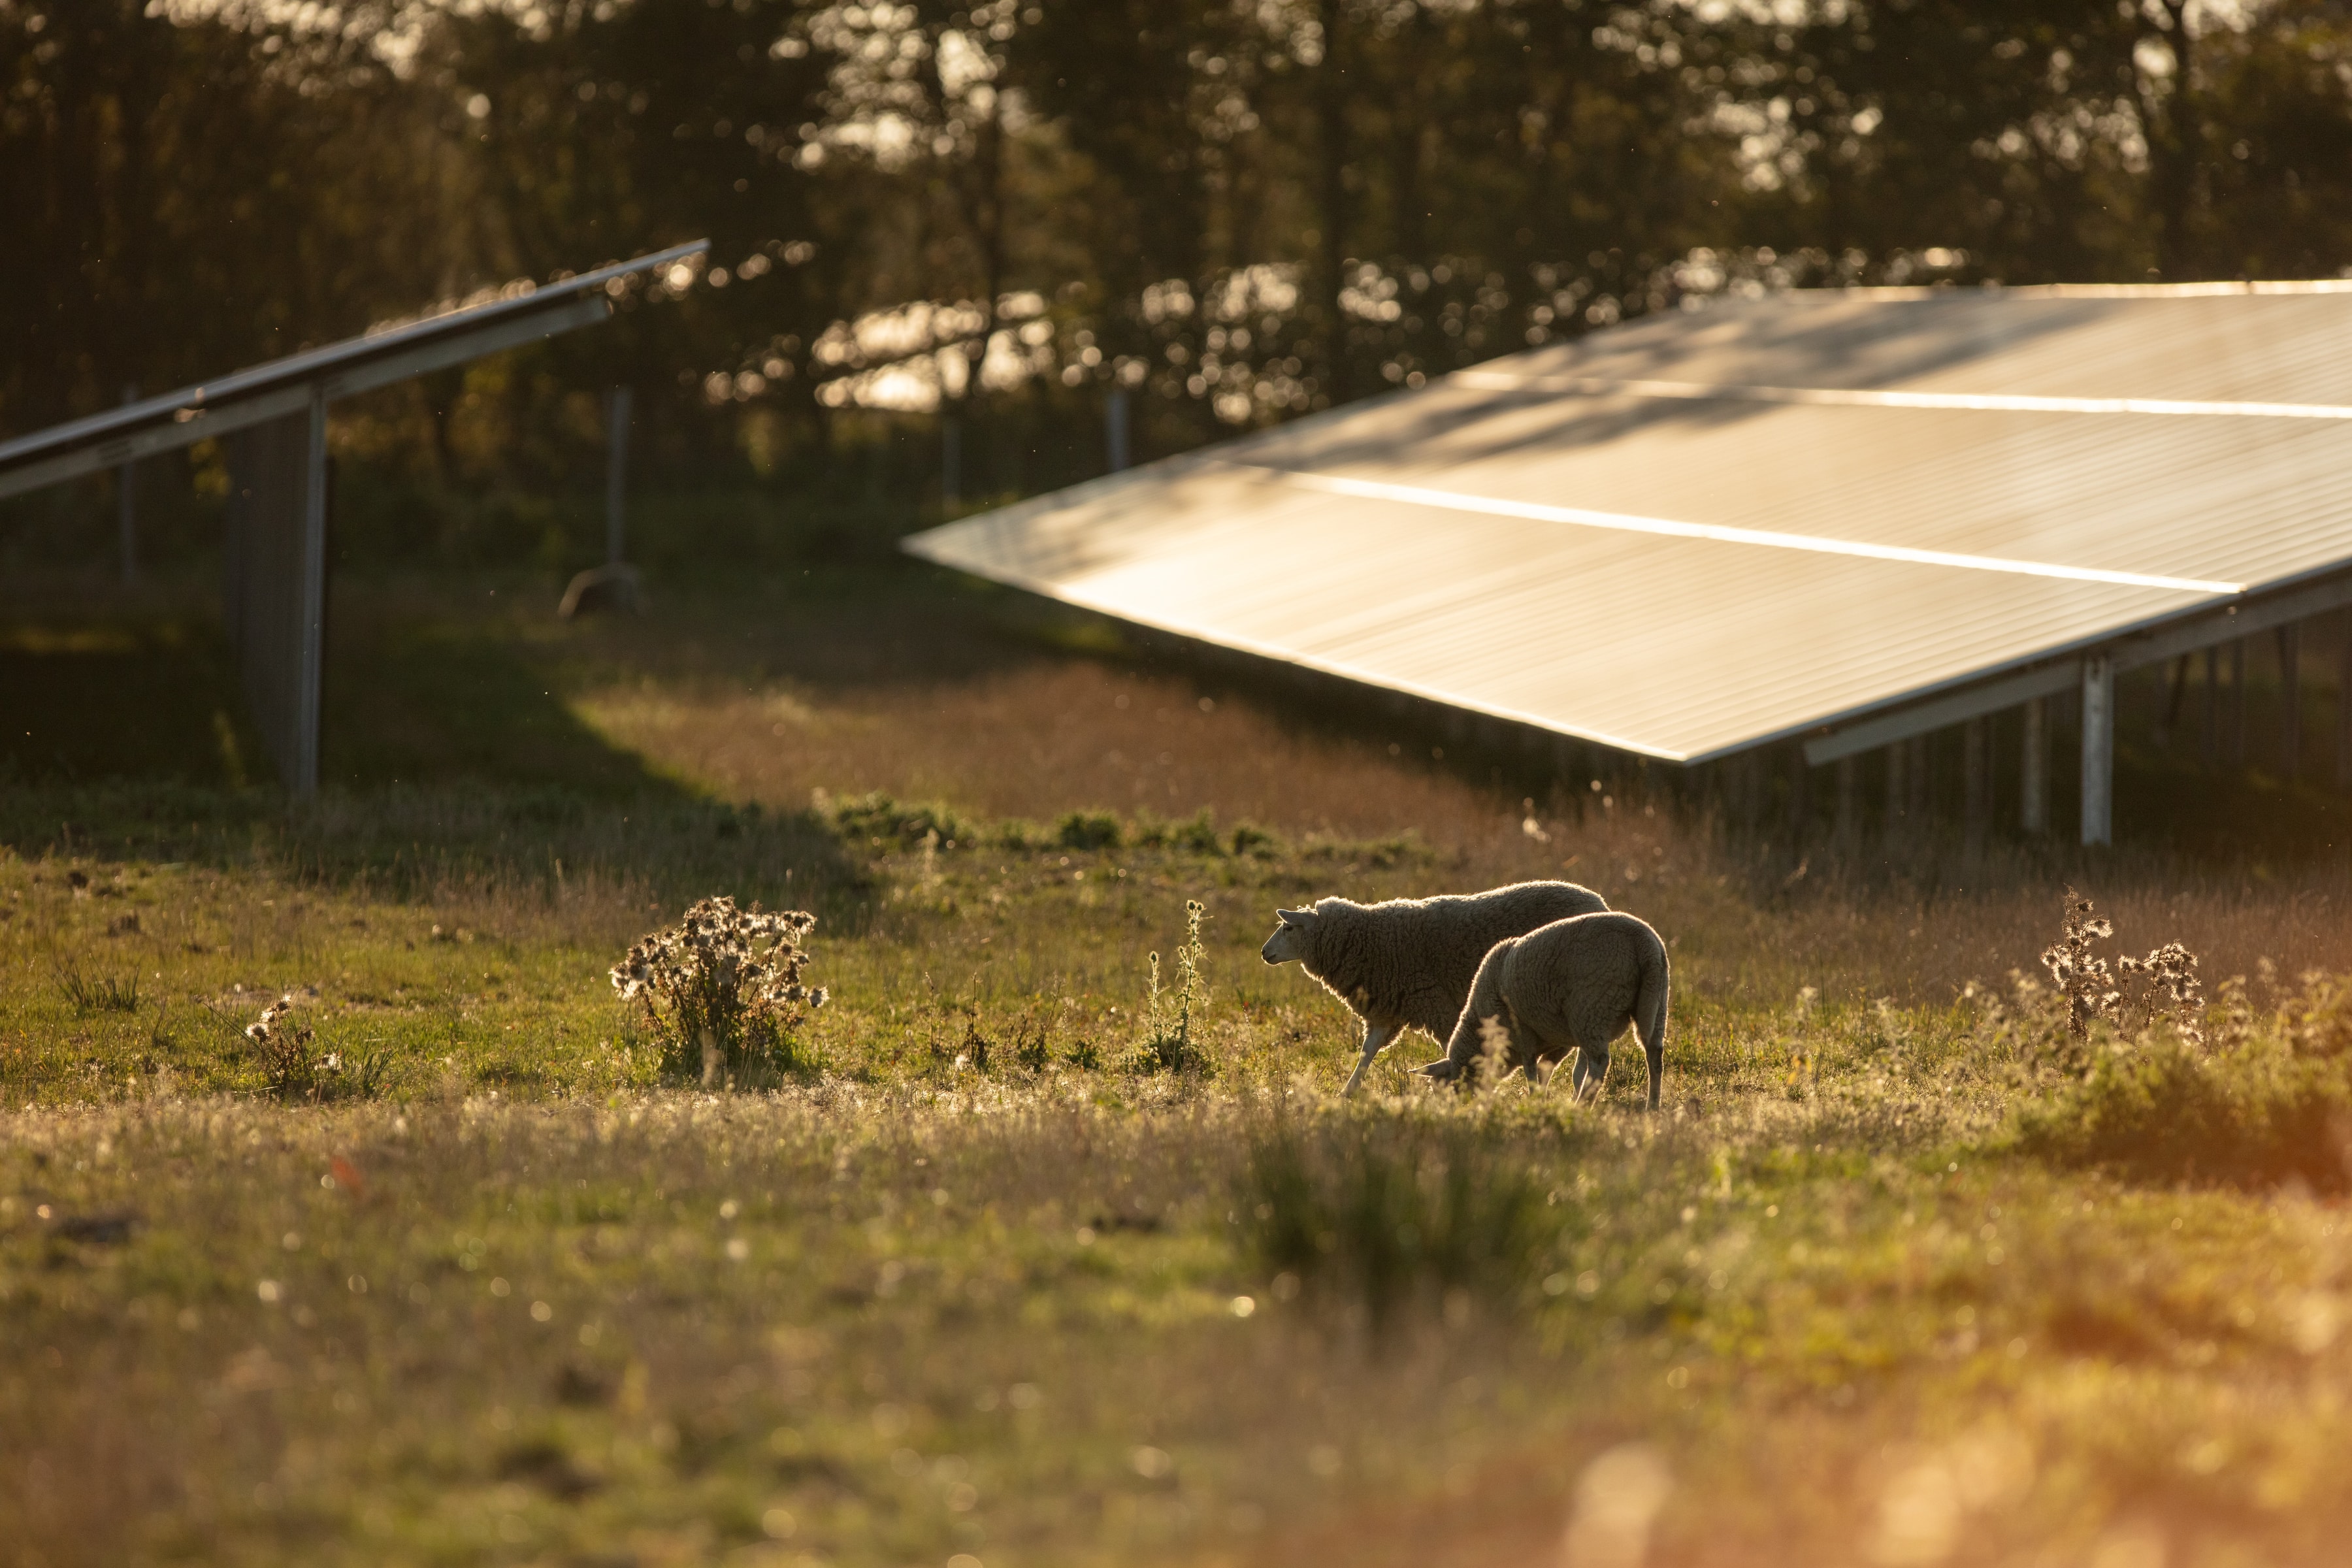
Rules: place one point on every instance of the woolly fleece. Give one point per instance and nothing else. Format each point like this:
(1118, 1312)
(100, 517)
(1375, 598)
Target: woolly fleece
(1572, 985)
(1409, 963)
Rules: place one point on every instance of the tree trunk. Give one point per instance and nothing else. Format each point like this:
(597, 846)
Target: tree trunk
(1331, 123)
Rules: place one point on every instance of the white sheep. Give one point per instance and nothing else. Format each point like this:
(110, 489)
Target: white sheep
(1408, 963)
(1572, 985)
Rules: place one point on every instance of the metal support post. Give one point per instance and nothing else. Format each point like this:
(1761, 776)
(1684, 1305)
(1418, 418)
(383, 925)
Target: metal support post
(616, 473)
(2237, 736)
(1801, 795)
(1897, 796)
(304, 773)
(2174, 680)
(2344, 704)
(2098, 749)
(1115, 429)
(1976, 805)
(2208, 738)
(1849, 802)
(2033, 771)
(1922, 783)
(2290, 652)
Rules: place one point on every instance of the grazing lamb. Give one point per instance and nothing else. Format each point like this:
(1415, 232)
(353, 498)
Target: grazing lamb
(1409, 963)
(1572, 985)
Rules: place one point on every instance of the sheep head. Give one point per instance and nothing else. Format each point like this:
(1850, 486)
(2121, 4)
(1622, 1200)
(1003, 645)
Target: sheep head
(1293, 939)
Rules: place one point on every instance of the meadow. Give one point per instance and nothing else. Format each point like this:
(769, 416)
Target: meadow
(1904, 1273)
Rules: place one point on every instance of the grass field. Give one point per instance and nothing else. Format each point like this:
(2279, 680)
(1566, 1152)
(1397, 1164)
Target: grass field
(1901, 1275)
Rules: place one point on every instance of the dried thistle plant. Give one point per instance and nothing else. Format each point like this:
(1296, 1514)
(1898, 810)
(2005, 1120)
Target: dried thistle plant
(2081, 972)
(2165, 981)
(2170, 970)
(284, 1049)
(722, 992)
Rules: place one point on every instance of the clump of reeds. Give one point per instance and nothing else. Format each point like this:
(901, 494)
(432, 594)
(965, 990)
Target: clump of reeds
(97, 993)
(1172, 1014)
(722, 993)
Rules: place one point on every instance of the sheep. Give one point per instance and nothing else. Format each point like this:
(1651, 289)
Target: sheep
(1573, 984)
(1409, 963)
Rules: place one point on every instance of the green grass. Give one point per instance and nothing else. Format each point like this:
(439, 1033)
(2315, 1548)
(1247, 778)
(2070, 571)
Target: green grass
(1879, 1285)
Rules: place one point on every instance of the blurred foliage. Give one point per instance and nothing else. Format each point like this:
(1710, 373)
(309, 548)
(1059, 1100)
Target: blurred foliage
(1004, 212)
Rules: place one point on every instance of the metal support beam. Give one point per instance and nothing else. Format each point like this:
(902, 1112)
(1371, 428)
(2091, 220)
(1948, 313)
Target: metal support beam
(2098, 749)
(1869, 734)
(2033, 771)
(2227, 626)
(2289, 653)
(201, 422)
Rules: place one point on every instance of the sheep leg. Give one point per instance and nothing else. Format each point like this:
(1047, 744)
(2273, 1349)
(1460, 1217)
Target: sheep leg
(1376, 1039)
(1591, 1067)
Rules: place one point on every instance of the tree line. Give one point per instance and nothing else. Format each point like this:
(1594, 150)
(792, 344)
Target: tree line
(1229, 211)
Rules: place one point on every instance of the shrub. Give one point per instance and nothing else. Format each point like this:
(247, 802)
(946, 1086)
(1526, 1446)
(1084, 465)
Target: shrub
(1388, 1210)
(1196, 835)
(902, 824)
(722, 993)
(1249, 840)
(291, 1070)
(1018, 836)
(2161, 1109)
(1171, 1014)
(1089, 830)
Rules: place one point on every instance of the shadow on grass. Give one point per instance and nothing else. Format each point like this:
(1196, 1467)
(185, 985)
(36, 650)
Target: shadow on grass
(443, 698)
(94, 696)
(449, 761)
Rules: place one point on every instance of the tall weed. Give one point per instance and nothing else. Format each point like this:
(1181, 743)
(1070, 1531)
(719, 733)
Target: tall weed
(1172, 1014)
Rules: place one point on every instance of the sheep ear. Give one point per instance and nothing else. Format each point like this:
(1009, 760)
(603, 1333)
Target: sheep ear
(1301, 918)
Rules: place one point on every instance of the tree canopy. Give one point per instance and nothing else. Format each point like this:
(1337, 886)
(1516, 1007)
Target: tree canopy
(1232, 210)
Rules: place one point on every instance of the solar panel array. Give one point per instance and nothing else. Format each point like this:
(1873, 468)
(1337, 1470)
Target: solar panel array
(1714, 529)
